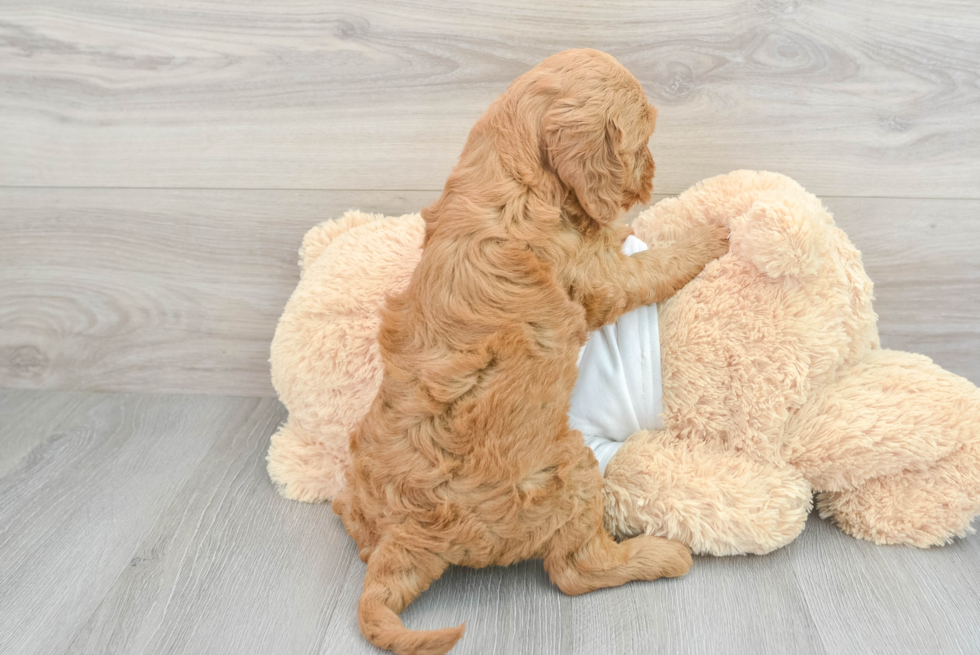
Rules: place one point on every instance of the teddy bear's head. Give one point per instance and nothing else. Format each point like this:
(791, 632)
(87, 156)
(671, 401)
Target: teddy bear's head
(747, 342)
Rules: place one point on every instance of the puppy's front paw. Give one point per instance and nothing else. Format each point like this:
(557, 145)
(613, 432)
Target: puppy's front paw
(694, 250)
(709, 242)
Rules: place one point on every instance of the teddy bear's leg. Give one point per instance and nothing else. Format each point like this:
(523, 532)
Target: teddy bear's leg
(304, 467)
(922, 508)
(894, 447)
(716, 501)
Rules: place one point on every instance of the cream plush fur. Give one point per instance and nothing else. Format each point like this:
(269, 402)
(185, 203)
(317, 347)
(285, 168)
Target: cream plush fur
(775, 386)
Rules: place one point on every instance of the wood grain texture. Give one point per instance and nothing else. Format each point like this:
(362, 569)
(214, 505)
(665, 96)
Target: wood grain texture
(229, 566)
(848, 98)
(74, 509)
(28, 418)
(147, 524)
(180, 291)
(169, 291)
(924, 259)
(889, 599)
(211, 136)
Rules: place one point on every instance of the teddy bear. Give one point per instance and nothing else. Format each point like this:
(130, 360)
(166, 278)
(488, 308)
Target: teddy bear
(775, 388)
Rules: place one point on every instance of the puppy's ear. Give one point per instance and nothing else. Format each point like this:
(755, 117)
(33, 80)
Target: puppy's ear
(582, 146)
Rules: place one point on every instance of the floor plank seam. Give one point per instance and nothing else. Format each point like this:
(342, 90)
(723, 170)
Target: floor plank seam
(806, 602)
(328, 619)
(402, 190)
(193, 541)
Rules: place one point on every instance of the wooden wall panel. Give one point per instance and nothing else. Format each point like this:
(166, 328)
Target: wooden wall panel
(179, 291)
(851, 99)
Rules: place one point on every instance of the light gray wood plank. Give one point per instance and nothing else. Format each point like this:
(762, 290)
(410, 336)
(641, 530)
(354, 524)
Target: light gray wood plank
(507, 610)
(74, 511)
(847, 98)
(724, 605)
(825, 593)
(28, 417)
(890, 599)
(149, 526)
(180, 291)
(230, 567)
(924, 259)
(146, 290)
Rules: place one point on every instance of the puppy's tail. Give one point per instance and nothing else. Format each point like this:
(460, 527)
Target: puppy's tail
(395, 576)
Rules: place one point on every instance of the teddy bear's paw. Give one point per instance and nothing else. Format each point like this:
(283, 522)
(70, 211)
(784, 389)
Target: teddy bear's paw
(922, 508)
(716, 200)
(717, 502)
(303, 467)
(782, 238)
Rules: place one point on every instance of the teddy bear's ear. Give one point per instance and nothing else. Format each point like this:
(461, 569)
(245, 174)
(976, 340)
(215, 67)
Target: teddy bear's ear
(783, 239)
(318, 238)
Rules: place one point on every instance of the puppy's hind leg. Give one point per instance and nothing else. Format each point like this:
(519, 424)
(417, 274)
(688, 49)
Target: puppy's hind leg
(601, 562)
(582, 557)
(395, 577)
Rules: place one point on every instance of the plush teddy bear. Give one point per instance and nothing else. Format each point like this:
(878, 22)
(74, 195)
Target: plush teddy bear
(774, 383)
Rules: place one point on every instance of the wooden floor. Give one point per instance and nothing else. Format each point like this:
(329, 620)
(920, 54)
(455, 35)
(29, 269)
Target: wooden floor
(146, 524)
(159, 163)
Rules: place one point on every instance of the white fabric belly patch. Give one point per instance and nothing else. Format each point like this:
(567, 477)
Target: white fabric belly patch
(619, 390)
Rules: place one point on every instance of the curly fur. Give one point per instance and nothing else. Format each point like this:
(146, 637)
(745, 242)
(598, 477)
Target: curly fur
(776, 386)
(465, 456)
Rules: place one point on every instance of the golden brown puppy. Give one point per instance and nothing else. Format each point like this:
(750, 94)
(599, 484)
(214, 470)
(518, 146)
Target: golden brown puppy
(466, 457)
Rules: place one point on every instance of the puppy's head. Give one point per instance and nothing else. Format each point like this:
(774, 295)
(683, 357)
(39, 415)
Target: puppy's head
(595, 132)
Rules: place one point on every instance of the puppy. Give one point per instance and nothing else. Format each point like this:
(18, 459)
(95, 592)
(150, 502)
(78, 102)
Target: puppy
(466, 456)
